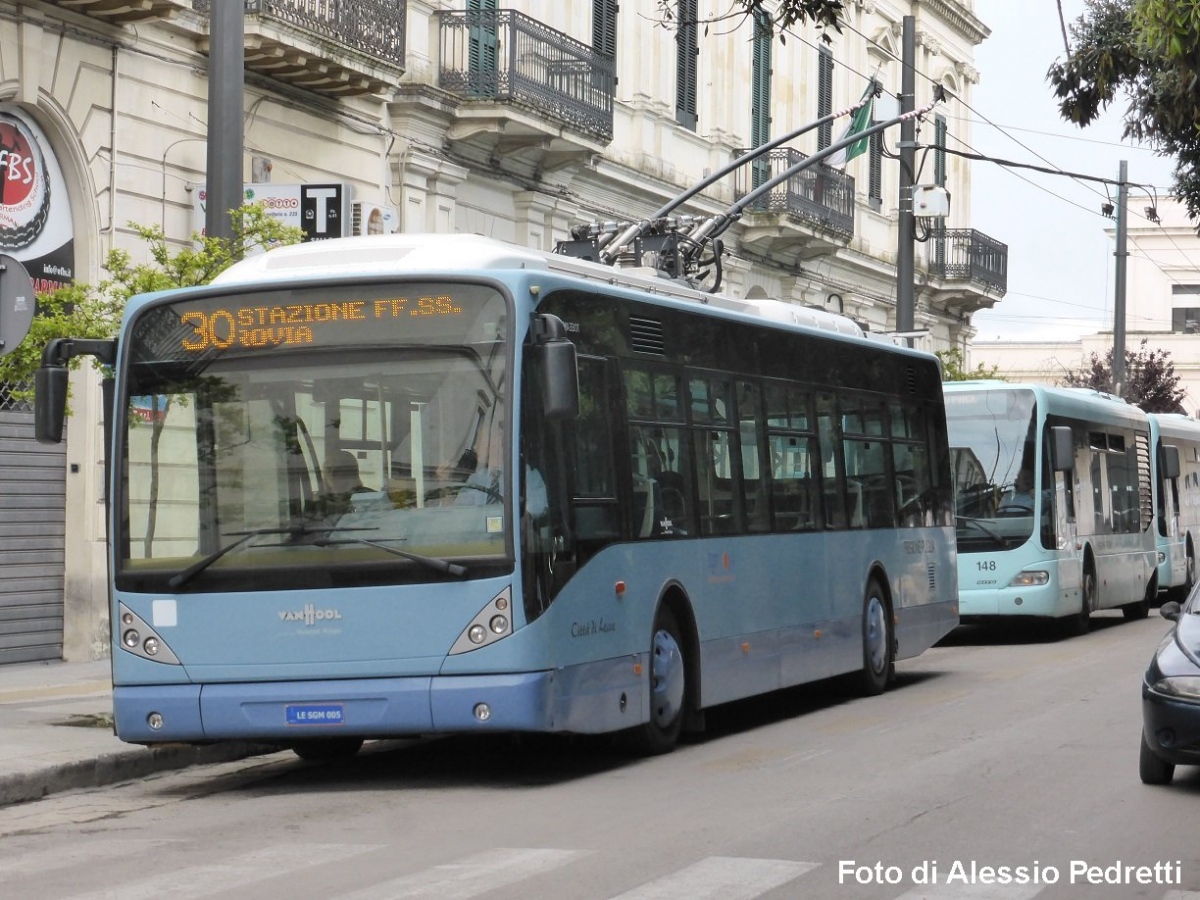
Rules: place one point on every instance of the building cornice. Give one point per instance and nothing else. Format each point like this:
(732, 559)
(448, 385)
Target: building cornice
(956, 17)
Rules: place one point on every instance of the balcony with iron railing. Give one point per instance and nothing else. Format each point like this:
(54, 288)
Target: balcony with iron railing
(514, 73)
(967, 268)
(810, 213)
(332, 47)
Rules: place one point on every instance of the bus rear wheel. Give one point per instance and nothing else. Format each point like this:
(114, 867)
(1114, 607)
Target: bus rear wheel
(668, 690)
(878, 647)
(327, 749)
(1141, 608)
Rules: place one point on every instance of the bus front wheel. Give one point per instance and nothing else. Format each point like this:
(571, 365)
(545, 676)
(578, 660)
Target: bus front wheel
(1081, 622)
(668, 689)
(878, 650)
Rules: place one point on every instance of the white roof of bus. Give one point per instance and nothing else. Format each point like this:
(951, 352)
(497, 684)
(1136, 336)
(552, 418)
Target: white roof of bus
(396, 254)
(1080, 402)
(1176, 425)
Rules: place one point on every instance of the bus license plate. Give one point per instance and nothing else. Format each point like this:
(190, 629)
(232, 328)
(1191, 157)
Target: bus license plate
(316, 714)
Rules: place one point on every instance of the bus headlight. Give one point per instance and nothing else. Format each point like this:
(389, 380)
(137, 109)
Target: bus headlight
(1030, 579)
(141, 640)
(490, 624)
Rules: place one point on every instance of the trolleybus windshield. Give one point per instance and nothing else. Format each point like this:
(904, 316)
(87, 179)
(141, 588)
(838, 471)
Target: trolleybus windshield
(306, 436)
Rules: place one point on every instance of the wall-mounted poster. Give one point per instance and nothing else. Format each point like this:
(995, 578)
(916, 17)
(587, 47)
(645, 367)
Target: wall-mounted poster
(36, 227)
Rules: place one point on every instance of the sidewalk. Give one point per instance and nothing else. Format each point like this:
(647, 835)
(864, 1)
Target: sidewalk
(56, 734)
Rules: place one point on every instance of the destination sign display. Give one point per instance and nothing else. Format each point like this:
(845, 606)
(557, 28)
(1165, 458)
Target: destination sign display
(274, 326)
(367, 315)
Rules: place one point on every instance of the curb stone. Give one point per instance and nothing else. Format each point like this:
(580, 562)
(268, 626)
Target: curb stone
(110, 768)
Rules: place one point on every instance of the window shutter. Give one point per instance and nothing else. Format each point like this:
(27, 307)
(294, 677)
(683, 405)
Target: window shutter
(604, 27)
(687, 48)
(824, 96)
(939, 155)
(875, 176)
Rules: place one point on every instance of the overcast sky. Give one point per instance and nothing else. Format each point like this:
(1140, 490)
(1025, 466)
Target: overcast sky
(1060, 262)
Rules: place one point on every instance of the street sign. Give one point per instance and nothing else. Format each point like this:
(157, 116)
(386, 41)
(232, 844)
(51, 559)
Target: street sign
(17, 304)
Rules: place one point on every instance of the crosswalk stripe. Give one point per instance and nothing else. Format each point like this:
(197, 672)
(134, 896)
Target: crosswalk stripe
(80, 853)
(468, 877)
(723, 877)
(236, 872)
(959, 891)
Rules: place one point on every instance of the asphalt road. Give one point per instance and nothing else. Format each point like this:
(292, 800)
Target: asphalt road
(999, 755)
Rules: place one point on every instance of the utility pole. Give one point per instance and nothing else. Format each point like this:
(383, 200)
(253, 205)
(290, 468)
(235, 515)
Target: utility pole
(905, 248)
(226, 92)
(1118, 359)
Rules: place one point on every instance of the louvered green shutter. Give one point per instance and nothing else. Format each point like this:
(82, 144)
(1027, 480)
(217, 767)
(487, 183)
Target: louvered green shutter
(824, 96)
(687, 48)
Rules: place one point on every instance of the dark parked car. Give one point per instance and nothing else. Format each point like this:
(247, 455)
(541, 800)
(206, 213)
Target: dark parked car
(1171, 696)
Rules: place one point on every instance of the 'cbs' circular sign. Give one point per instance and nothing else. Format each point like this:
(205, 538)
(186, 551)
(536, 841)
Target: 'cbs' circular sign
(24, 185)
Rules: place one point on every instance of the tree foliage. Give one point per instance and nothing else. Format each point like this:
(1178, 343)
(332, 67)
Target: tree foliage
(1150, 379)
(954, 367)
(1148, 52)
(94, 311)
(782, 14)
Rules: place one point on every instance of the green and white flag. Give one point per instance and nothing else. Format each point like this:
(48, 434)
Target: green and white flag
(860, 122)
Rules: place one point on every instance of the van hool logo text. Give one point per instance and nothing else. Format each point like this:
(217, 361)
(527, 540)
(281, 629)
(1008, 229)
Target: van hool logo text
(310, 615)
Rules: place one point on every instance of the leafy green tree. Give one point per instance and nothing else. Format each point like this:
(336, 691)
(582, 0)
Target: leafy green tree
(1150, 379)
(1146, 52)
(782, 14)
(94, 311)
(954, 367)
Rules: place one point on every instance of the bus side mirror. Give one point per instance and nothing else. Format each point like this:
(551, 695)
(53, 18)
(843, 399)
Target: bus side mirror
(1170, 461)
(560, 372)
(50, 403)
(1062, 449)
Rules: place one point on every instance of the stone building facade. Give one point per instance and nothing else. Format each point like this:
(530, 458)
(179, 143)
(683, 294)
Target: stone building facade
(458, 116)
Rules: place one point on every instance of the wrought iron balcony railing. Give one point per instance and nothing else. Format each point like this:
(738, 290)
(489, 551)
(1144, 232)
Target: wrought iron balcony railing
(965, 254)
(329, 46)
(504, 55)
(819, 195)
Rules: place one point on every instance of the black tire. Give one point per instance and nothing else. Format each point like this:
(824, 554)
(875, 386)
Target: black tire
(1152, 768)
(877, 643)
(1081, 622)
(668, 690)
(1190, 580)
(1141, 608)
(327, 749)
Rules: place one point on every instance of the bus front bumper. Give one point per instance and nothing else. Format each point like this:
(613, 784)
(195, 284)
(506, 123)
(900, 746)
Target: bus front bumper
(1037, 600)
(594, 698)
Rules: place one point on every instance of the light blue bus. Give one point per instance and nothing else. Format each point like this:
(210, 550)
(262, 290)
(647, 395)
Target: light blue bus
(1054, 502)
(1175, 441)
(419, 484)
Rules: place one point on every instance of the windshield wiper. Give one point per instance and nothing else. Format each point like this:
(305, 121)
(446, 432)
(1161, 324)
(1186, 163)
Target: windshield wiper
(441, 565)
(995, 536)
(179, 579)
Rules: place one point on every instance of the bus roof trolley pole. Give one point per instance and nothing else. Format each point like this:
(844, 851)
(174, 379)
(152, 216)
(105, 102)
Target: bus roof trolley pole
(716, 225)
(50, 383)
(610, 245)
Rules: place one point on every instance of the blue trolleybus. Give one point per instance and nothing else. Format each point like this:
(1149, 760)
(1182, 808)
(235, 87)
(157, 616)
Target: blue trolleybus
(1054, 502)
(1175, 441)
(422, 484)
